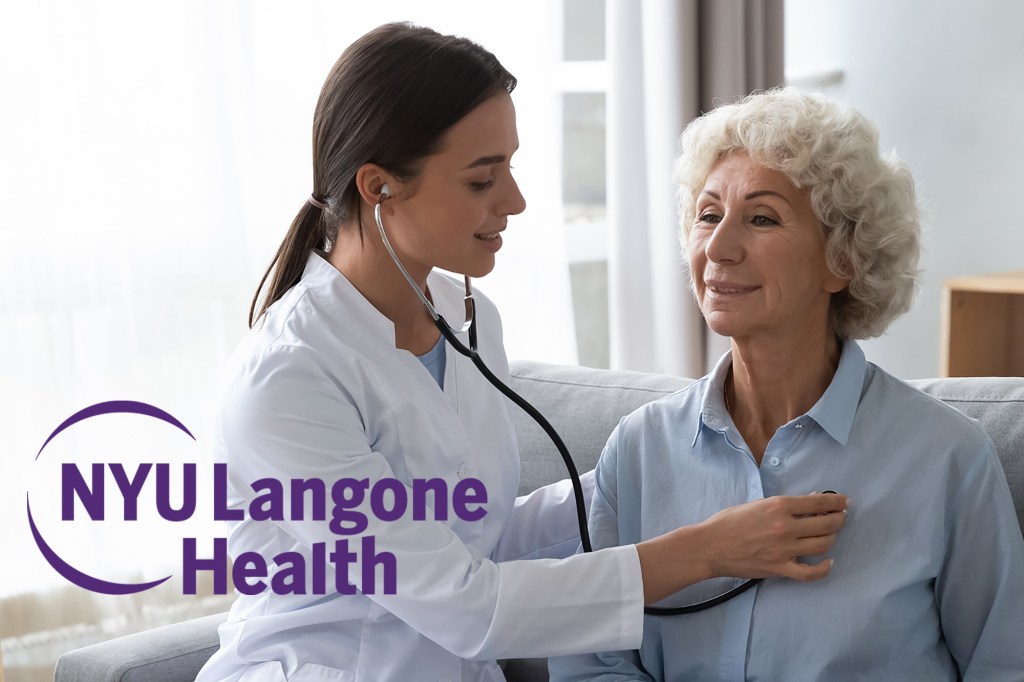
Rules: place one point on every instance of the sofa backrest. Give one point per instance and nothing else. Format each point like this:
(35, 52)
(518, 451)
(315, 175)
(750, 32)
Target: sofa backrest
(585, 404)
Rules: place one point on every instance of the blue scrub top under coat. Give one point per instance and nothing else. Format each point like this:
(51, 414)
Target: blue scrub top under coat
(434, 361)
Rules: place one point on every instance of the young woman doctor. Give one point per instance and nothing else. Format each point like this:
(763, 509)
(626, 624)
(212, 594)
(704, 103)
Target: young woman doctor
(344, 375)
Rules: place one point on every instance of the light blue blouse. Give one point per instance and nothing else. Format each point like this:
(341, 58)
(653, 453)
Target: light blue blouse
(929, 569)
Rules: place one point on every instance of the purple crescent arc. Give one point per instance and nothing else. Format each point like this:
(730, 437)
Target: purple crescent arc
(62, 567)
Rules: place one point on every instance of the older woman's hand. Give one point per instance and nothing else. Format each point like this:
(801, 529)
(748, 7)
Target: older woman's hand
(759, 539)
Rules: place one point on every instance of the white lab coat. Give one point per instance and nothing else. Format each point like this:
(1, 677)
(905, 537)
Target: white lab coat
(318, 389)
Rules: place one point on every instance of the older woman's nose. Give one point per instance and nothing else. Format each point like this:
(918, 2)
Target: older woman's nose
(725, 245)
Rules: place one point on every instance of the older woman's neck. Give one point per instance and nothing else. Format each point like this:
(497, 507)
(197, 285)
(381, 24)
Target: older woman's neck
(773, 381)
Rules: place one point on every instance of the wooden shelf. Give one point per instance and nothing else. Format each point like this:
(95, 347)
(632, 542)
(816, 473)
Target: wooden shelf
(983, 326)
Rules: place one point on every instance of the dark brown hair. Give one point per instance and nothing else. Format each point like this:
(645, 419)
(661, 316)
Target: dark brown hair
(389, 100)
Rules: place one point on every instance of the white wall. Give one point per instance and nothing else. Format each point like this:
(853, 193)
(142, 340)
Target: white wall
(944, 82)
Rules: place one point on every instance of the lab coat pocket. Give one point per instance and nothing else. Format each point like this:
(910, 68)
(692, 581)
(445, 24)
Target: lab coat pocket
(311, 672)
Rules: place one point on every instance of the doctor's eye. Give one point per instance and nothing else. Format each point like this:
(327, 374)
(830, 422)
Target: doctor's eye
(481, 186)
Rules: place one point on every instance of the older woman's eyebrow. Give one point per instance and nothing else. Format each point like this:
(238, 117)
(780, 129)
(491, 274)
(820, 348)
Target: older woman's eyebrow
(752, 195)
(766, 192)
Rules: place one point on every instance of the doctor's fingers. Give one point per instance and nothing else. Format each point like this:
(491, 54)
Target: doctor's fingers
(810, 546)
(805, 572)
(819, 538)
(815, 503)
(816, 526)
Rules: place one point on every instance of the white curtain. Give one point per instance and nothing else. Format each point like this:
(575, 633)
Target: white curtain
(152, 155)
(670, 61)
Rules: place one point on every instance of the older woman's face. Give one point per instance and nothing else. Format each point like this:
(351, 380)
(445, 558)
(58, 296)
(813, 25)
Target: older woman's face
(757, 254)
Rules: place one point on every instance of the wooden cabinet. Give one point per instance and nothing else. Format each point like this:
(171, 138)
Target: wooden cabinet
(983, 326)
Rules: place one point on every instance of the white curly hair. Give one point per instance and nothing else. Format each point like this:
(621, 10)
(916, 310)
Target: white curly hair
(865, 200)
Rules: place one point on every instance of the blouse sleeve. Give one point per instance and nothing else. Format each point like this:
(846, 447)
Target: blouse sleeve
(980, 588)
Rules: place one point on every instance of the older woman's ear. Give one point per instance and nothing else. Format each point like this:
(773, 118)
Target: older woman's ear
(835, 283)
(840, 270)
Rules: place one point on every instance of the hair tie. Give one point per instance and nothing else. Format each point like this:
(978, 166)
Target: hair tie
(315, 202)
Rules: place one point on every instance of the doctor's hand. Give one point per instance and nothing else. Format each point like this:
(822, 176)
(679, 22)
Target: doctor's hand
(759, 539)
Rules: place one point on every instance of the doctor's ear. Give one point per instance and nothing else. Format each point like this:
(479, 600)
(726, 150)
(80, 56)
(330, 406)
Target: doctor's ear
(374, 183)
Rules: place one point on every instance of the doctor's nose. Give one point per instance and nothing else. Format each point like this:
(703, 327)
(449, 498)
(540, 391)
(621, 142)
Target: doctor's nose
(512, 201)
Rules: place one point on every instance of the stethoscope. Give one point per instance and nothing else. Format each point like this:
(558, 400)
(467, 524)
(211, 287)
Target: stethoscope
(471, 352)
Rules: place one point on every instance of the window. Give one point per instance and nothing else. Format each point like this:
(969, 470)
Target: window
(583, 84)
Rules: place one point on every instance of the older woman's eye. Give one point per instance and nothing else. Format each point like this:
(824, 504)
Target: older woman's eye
(709, 218)
(763, 221)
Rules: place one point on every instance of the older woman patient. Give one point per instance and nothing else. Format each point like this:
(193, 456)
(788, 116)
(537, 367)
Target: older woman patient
(801, 238)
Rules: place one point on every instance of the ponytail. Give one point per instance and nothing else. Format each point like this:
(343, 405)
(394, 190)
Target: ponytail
(305, 234)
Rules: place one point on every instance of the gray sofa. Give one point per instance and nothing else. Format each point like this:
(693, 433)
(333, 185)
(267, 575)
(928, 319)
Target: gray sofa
(584, 405)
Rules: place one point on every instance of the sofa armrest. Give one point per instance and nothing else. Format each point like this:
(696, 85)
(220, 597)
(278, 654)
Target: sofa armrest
(173, 653)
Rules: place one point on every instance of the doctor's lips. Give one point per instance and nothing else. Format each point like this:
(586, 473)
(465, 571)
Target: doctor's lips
(492, 240)
(494, 234)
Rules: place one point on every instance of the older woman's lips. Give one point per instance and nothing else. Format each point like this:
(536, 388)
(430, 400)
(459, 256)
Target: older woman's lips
(729, 289)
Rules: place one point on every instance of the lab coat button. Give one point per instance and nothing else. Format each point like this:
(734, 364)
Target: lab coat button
(466, 470)
(774, 461)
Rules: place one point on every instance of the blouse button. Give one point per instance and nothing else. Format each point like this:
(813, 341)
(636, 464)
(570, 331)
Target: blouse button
(774, 461)
(466, 470)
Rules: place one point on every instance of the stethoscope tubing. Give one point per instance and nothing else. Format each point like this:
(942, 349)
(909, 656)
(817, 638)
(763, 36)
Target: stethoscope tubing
(577, 486)
(535, 414)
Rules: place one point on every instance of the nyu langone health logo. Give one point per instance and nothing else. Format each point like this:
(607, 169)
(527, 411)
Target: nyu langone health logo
(305, 571)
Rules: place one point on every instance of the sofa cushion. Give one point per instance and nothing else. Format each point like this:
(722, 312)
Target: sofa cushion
(584, 405)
